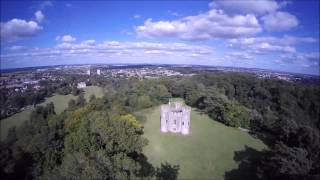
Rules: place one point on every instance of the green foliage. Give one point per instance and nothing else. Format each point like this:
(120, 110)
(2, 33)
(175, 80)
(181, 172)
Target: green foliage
(92, 98)
(72, 104)
(101, 139)
(81, 101)
(284, 162)
(107, 140)
(85, 143)
(167, 172)
(131, 119)
(75, 91)
(37, 145)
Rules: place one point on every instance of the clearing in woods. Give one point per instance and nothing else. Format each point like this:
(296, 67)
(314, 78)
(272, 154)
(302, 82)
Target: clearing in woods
(60, 104)
(207, 153)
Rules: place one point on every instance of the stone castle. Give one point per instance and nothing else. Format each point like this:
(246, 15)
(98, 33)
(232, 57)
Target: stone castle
(175, 118)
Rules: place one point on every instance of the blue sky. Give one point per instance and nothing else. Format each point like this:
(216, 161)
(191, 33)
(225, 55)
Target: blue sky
(278, 35)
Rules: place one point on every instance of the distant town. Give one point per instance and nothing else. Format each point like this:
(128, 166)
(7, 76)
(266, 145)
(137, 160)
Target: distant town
(36, 83)
(20, 78)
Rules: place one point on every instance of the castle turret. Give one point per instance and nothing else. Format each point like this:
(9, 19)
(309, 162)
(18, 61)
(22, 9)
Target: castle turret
(185, 121)
(163, 118)
(178, 105)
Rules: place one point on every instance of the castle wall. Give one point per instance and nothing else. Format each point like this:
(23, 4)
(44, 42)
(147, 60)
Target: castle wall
(175, 118)
(164, 118)
(186, 121)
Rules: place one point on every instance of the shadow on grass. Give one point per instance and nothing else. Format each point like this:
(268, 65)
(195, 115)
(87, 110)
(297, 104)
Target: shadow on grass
(165, 172)
(247, 169)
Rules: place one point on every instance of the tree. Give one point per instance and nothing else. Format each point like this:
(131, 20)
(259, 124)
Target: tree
(286, 163)
(81, 101)
(92, 98)
(11, 137)
(143, 101)
(71, 104)
(167, 171)
(75, 91)
(161, 93)
(50, 108)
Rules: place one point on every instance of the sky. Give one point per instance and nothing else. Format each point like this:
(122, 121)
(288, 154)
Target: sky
(267, 34)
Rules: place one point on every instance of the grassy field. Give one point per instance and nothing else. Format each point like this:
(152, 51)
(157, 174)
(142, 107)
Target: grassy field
(60, 104)
(97, 91)
(207, 153)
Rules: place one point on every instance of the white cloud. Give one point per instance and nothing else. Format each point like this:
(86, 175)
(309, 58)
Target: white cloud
(312, 58)
(258, 7)
(68, 5)
(39, 16)
(160, 52)
(239, 56)
(262, 45)
(45, 4)
(259, 47)
(173, 13)
(66, 38)
(126, 32)
(17, 48)
(90, 42)
(210, 25)
(288, 40)
(279, 21)
(143, 46)
(17, 28)
(136, 16)
(285, 40)
(115, 48)
(305, 60)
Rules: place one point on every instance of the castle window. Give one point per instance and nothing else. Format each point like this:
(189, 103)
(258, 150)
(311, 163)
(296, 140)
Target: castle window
(182, 123)
(175, 121)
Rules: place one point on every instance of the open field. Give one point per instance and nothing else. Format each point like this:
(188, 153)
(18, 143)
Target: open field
(60, 104)
(97, 91)
(207, 153)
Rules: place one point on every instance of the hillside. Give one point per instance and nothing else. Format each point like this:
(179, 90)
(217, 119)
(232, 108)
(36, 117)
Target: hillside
(207, 153)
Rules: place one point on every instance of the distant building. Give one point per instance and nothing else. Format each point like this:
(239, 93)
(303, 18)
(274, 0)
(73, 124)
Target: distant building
(81, 85)
(175, 118)
(37, 87)
(98, 72)
(88, 72)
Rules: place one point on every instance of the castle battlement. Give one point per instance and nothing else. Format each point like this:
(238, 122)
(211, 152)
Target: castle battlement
(175, 118)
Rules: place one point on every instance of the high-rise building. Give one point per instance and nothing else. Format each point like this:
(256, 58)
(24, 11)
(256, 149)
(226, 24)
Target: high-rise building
(88, 71)
(98, 72)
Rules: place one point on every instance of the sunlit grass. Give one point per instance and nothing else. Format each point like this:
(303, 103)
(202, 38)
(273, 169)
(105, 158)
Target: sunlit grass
(207, 153)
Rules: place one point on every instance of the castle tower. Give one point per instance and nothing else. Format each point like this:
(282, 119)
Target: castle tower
(175, 118)
(186, 121)
(163, 118)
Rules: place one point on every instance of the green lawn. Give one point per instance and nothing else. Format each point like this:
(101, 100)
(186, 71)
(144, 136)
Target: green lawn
(207, 153)
(60, 104)
(97, 91)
